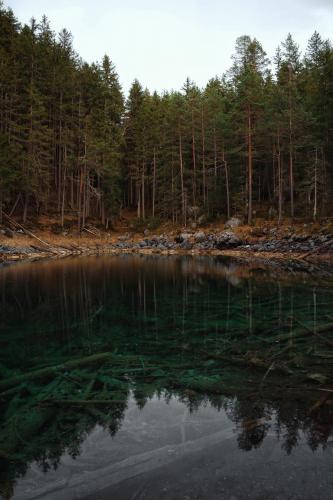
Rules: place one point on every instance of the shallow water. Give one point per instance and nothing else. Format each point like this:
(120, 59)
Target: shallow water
(169, 410)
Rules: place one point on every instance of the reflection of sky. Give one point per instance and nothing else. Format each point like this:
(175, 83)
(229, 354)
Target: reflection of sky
(186, 447)
(161, 43)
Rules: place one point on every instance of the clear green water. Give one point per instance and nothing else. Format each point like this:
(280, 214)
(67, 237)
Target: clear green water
(165, 377)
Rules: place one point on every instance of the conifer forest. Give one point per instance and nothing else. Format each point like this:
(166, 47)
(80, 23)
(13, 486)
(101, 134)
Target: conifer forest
(257, 140)
(166, 253)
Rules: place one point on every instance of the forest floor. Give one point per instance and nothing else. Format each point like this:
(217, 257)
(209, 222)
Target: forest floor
(264, 240)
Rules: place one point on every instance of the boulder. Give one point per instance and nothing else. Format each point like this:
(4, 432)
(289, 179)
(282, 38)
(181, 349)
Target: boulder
(199, 237)
(181, 238)
(233, 222)
(186, 245)
(227, 239)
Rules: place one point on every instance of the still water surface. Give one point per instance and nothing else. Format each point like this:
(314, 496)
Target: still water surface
(135, 377)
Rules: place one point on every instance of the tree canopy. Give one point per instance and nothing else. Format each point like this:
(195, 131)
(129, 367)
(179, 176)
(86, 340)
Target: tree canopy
(257, 140)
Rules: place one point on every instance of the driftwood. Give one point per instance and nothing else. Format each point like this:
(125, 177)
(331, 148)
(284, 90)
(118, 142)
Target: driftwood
(312, 252)
(29, 233)
(301, 332)
(317, 331)
(89, 231)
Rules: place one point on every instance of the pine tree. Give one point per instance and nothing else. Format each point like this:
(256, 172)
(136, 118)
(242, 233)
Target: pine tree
(248, 71)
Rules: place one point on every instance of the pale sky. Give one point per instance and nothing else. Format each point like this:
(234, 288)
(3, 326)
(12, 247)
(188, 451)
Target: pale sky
(161, 42)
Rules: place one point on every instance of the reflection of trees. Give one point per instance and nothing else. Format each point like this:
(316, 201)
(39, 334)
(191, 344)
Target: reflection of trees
(290, 419)
(175, 327)
(65, 428)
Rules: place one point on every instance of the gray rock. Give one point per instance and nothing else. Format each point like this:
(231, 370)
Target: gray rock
(233, 222)
(227, 239)
(123, 237)
(186, 236)
(199, 237)
(146, 232)
(180, 238)
(186, 245)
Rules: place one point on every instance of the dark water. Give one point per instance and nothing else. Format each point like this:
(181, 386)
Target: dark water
(165, 377)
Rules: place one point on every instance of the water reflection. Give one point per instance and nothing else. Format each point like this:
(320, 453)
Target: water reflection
(194, 329)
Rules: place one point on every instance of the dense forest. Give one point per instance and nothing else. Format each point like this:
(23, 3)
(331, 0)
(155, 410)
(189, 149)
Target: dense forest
(256, 141)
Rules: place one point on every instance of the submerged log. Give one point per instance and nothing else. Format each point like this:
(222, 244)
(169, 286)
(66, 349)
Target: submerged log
(84, 402)
(52, 370)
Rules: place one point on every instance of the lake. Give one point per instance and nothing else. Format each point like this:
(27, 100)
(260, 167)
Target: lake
(172, 377)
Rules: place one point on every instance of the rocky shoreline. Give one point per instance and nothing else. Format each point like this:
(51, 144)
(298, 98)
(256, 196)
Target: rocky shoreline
(227, 240)
(266, 243)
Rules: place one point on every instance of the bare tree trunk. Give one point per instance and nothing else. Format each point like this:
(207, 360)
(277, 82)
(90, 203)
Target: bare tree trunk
(103, 213)
(280, 190)
(194, 161)
(79, 200)
(87, 211)
(182, 177)
(131, 191)
(215, 154)
(25, 209)
(274, 172)
(203, 157)
(226, 172)
(325, 178)
(250, 167)
(72, 191)
(154, 181)
(315, 187)
(84, 207)
(172, 192)
(63, 191)
(291, 147)
(143, 189)
(139, 201)
(80, 183)
(60, 158)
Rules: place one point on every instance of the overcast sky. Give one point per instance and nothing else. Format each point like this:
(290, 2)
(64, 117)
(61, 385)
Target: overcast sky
(161, 42)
